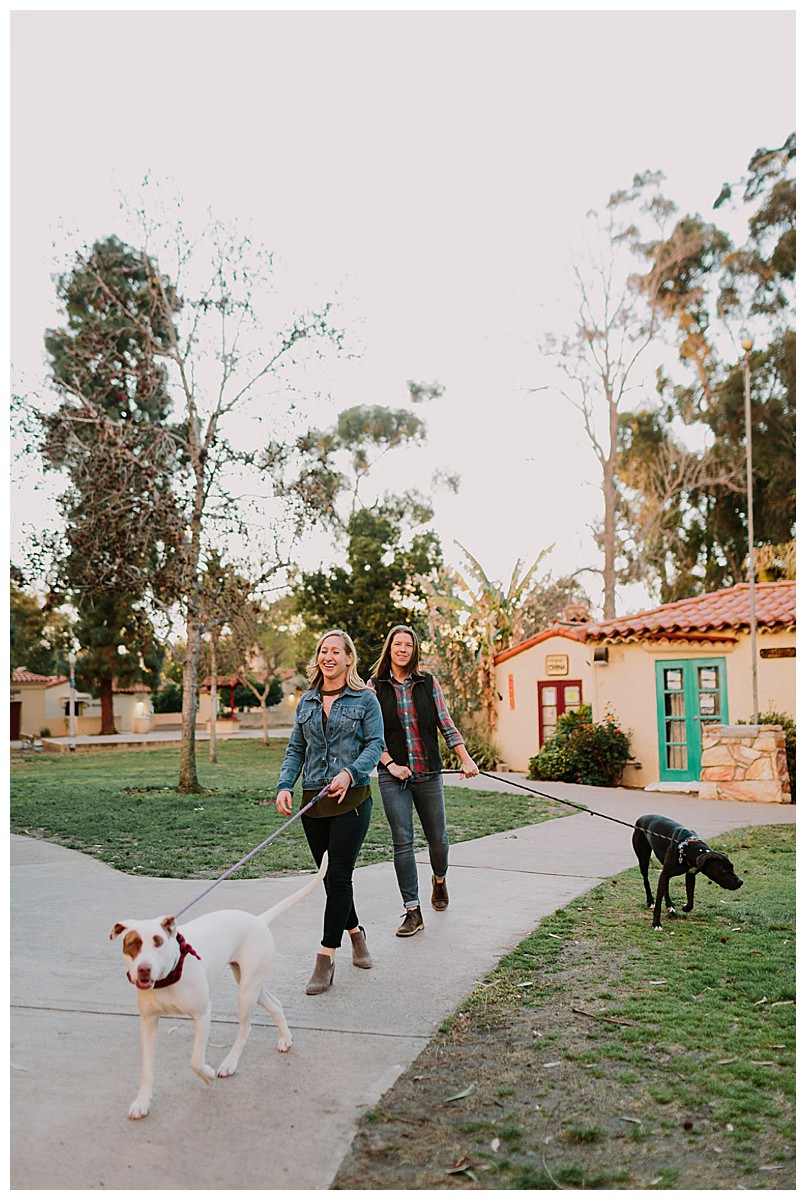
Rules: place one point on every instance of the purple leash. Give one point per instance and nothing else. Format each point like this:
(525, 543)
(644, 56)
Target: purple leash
(252, 853)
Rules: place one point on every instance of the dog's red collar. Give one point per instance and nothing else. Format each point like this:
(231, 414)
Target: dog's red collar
(174, 975)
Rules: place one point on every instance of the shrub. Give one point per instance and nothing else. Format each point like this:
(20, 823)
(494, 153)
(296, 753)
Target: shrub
(168, 699)
(583, 752)
(246, 698)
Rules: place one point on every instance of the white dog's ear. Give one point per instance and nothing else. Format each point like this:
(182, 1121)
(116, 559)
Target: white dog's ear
(169, 925)
(117, 930)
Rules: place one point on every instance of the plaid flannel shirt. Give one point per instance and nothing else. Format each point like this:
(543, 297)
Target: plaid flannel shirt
(418, 762)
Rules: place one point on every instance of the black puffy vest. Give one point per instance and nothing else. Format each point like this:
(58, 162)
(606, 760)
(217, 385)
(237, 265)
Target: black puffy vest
(422, 692)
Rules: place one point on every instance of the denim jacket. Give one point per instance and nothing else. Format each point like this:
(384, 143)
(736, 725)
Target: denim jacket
(354, 740)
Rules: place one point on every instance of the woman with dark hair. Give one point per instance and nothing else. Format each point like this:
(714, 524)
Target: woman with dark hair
(337, 737)
(414, 711)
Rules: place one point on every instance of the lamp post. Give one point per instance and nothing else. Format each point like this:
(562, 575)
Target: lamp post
(747, 346)
(71, 659)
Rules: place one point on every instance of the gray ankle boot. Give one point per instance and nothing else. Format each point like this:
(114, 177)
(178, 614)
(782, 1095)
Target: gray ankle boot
(323, 971)
(361, 955)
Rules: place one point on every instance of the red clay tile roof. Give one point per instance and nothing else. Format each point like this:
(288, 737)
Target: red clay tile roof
(715, 616)
(575, 632)
(724, 612)
(229, 681)
(20, 675)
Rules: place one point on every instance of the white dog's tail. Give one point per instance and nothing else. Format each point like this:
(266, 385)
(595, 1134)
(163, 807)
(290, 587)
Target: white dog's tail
(283, 905)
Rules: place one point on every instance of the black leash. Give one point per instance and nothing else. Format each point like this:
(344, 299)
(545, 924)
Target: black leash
(557, 799)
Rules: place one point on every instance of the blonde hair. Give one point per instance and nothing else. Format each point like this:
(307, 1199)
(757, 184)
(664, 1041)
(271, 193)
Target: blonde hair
(315, 676)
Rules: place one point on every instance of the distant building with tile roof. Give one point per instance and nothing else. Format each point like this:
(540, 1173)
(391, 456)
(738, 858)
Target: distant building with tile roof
(41, 702)
(663, 673)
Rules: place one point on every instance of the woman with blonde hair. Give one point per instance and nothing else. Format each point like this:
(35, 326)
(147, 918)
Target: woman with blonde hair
(337, 739)
(414, 711)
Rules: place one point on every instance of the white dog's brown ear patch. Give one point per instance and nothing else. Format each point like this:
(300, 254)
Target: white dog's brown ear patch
(169, 925)
(117, 930)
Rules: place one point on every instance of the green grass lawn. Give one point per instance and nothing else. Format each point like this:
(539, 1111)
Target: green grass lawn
(600, 1054)
(122, 807)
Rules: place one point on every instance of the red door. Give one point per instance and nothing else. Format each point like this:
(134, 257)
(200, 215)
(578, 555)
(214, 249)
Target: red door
(554, 697)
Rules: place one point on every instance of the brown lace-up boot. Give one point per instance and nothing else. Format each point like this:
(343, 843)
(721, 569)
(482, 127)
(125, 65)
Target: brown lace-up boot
(412, 922)
(439, 894)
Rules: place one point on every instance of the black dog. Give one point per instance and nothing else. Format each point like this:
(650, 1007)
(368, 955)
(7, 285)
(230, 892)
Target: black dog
(682, 853)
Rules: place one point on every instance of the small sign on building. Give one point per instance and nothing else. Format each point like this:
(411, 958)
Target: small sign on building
(556, 664)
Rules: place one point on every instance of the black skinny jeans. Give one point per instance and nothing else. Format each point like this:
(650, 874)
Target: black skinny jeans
(342, 836)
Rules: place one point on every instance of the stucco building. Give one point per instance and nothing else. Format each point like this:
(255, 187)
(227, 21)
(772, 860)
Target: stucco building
(664, 673)
(41, 702)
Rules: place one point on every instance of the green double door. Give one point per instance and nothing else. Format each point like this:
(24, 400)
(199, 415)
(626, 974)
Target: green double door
(690, 693)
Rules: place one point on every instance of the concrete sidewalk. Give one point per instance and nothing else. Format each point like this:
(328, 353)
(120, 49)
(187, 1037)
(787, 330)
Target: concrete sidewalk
(284, 1121)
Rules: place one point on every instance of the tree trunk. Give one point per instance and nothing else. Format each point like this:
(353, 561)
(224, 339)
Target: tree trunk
(213, 696)
(610, 500)
(489, 693)
(188, 778)
(265, 715)
(107, 708)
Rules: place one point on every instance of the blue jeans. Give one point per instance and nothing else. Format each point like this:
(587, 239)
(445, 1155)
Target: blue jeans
(428, 797)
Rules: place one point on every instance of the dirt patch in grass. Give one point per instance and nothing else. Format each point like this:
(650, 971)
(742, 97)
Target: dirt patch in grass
(563, 1070)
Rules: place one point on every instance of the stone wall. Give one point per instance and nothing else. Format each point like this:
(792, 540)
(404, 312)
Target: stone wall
(744, 762)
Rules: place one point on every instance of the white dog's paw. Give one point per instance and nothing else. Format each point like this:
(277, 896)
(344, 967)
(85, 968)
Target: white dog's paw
(139, 1108)
(227, 1068)
(671, 912)
(285, 1043)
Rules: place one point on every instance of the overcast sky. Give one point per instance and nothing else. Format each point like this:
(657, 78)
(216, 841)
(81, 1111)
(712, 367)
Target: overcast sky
(431, 170)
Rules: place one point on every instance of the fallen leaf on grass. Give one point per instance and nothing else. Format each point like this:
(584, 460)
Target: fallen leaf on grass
(756, 1063)
(632, 1120)
(763, 1000)
(495, 1144)
(771, 1168)
(723, 1062)
(467, 1166)
(551, 1064)
(461, 1095)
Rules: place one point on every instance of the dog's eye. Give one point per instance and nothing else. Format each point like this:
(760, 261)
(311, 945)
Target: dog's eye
(157, 940)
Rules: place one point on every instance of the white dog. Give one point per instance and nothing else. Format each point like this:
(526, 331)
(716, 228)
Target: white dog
(173, 972)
